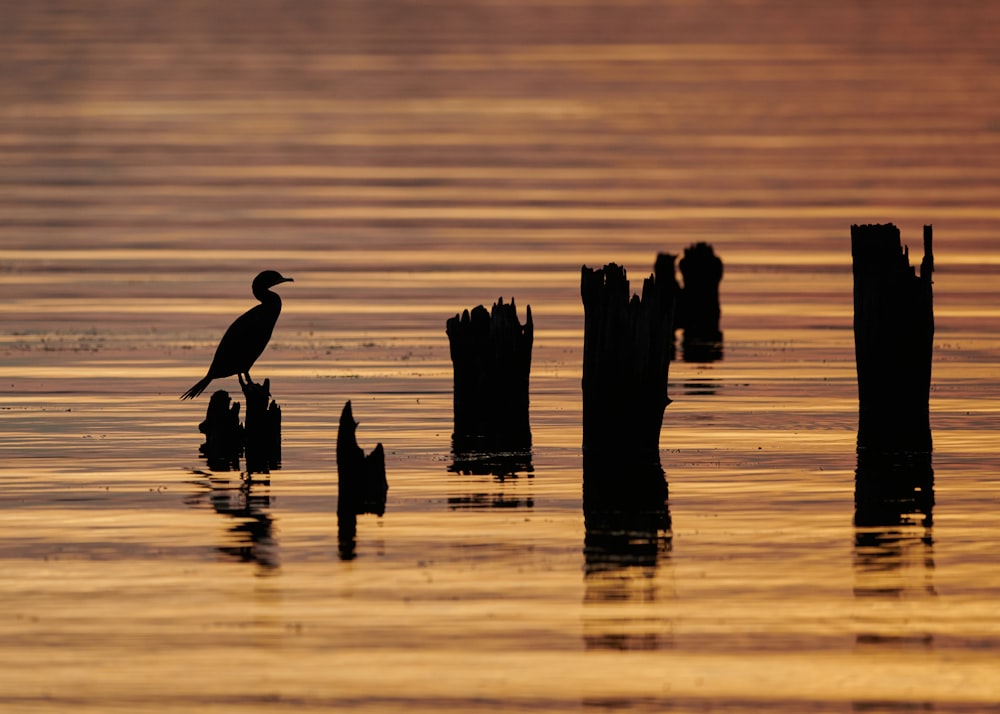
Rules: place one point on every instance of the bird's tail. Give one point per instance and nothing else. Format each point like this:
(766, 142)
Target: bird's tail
(197, 389)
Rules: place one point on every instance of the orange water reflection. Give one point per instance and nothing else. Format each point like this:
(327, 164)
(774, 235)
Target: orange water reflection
(405, 161)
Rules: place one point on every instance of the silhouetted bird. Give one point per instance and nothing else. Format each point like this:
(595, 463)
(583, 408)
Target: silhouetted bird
(247, 337)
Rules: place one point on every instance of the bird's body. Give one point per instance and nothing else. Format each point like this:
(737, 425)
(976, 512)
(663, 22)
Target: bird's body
(247, 337)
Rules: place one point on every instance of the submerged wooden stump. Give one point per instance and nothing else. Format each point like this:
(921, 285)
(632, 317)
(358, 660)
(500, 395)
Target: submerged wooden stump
(223, 433)
(698, 309)
(361, 485)
(893, 340)
(626, 357)
(491, 359)
(262, 429)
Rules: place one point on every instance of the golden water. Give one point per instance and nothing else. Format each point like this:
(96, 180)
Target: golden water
(404, 161)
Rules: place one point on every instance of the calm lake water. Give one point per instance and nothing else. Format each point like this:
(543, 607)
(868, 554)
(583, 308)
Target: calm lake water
(407, 160)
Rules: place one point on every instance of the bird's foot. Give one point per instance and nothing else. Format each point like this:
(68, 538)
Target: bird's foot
(247, 383)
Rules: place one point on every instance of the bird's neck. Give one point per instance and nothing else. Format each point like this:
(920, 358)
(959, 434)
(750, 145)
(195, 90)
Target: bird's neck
(268, 298)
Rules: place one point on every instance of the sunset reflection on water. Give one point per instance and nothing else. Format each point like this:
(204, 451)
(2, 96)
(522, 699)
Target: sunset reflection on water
(405, 161)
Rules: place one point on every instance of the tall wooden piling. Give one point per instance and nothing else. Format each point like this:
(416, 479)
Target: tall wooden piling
(893, 340)
(626, 357)
(491, 359)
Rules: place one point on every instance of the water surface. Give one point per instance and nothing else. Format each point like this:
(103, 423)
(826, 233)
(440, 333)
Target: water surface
(404, 161)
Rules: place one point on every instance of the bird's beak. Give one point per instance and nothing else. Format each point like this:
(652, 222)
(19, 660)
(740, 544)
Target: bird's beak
(288, 280)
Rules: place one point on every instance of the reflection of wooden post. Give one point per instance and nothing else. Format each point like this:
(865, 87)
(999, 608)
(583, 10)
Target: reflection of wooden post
(361, 485)
(893, 340)
(698, 309)
(893, 489)
(262, 429)
(223, 433)
(491, 358)
(625, 513)
(626, 355)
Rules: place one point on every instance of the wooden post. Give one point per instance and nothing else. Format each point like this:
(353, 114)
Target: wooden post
(223, 433)
(893, 340)
(262, 430)
(491, 358)
(626, 356)
(698, 309)
(361, 485)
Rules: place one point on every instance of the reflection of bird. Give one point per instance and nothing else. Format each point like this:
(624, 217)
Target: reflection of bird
(247, 337)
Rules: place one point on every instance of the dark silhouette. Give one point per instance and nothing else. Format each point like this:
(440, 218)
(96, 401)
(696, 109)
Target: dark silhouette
(259, 439)
(491, 358)
(262, 429)
(361, 487)
(247, 337)
(698, 310)
(626, 356)
(894, 484)
(223, 433)
(893, 340)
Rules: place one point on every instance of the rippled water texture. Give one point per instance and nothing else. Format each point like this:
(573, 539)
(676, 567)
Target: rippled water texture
(407, 160)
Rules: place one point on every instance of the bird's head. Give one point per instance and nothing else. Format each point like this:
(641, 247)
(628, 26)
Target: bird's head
(268, 279)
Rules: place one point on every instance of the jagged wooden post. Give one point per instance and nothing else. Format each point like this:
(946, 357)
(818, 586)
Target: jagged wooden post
(361, 485)
(626, 356)
(893, 343)
(223, 433)
(698, 310)
(893, 340)
(491, 358)
(262, 428)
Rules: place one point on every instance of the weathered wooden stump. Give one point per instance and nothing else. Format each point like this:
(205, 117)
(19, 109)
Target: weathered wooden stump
(893, 340)
(262, 428)
(361, 486)
(491, 359)
(626, 357)
(698, 309)
(258, 439)
(223, 433)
